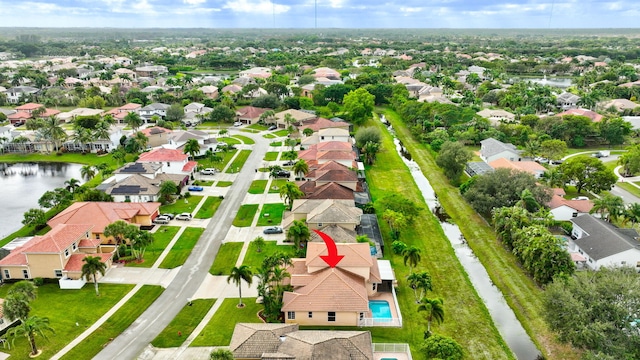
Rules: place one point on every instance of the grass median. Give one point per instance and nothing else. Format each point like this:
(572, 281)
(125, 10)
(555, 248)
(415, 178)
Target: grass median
(226, 258)
(182, 248)
(220, 328)
(238, 162)
(245, 215)
(161, 239)
(522, 295)
(183, 324)
(208, 209)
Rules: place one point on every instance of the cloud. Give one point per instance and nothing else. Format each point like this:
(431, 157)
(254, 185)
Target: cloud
(194, 2)
(257, 7)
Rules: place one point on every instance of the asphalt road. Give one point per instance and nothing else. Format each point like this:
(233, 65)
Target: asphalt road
(143, 330)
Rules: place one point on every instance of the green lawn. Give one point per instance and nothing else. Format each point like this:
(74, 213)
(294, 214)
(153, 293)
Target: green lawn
(275, 212)
(281, 133)
(226, 258)
(224, 183)
(203, 182)
(271, 156)
(78, 158)
(184, 323)
(245, 139)
(182, 248)
(116, 324)
(239, 161)
(630, 188)
(220, 328)
(258, 186)
(162, 238)
(257, 126)
(522, 295)
(230, 140)
(182, 205)
(276, 184)
(245, 215)
(254, 259)
(269, 136)
(226, 157)
(276, 143)
(250, 131)
(208, 209)
(65, 308)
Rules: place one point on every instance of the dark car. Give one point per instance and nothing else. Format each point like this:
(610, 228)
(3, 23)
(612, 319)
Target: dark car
(195, 188)
(273, 230)
(283, 173)
(272, 127)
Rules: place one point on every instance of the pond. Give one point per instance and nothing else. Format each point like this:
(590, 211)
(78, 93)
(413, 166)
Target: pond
(22, 184)
(508, 325)
(561, 83)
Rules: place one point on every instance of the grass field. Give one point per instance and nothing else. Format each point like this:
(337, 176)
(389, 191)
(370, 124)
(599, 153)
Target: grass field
(257, 126)
(78, 158)
(65, 308)
(226, 157)
(276, 143)
(630, 188)
(162, 238)
(245, 215)
(269, 136)
(226, 258)
(254, 259)
(208, 209)
(203, 182)
(466, 318)
(281, 133)
(522, 295)
(182, 205)
(220, 328)
(184, 323)
(271, 156)
(224, 183)
(116, 324)
(182, 248)
(239, 161)
(245, 139)
(230, 140)
(275, 212)
(258, 186)
(276, 184)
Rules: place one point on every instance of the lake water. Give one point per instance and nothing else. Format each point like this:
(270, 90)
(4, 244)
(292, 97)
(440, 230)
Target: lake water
(21, 185)
(561, 83)
(504, 318)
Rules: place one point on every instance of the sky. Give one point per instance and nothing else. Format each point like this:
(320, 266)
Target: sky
(330, 13)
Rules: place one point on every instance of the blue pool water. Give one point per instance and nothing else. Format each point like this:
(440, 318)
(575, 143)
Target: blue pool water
(380, 309)
(373, 250)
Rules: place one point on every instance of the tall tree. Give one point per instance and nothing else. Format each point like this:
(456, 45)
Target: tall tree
(434, 309)
(133, 120)
(239, 274)
(452, 158)
(419, 282)
(300, 168)
(87, 172)
(35, 217)
(121, 231)
(588, 173)
(289, 192)
(299, 233)
(29, 328)
(359, 105)
(412, 256)
(92, 265)
(608, 206)
(192, 147)
(167, 189)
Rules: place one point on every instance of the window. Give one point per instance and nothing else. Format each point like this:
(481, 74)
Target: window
(97, 236)
(319, 225)
(575, 214)
(361, 316)
(331, 316)
(321, 137)
(291, 315)
(310, 314)
(58, 273)
(168, 164)
(25, 274)
(75, 246)
(375, 286)
(66, 252)
(7, 275)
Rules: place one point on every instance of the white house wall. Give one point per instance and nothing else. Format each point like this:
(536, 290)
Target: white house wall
(630, 257)
(564, 213)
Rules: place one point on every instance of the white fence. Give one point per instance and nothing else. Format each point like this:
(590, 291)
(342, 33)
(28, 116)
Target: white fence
(71, 284)
(392, 348)
(369, 322)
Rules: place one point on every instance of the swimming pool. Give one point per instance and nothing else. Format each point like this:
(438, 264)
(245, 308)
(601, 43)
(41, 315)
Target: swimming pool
(380, 309)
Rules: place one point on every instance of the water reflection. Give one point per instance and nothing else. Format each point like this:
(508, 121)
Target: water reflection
(508, 325)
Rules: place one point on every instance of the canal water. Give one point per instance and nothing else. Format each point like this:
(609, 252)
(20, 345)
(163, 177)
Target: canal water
(22, 184)
(508, 325)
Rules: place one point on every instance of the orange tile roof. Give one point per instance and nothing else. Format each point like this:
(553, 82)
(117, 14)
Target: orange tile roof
(594, 116)
(332, 289)
(50, 112)
(251, 112)
(331, 165)
(58, 238)
(333, 146)
(75, 261)
(101, 214)
(355, 255)
(336, 175)
(531, 167)
(583, 206)
(19, 115)
(130, 106)
(162, 155)
(89, 243)
(154, 130)
(29, 106)
(330, 190)
(189, 166)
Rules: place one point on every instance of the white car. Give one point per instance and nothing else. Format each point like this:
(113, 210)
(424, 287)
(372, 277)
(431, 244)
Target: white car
(237, 123)
(184, 216)
(209, 171)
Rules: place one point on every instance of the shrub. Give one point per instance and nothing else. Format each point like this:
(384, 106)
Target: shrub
(38, 281)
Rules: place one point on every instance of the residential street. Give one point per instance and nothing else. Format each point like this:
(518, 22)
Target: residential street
(185, 284)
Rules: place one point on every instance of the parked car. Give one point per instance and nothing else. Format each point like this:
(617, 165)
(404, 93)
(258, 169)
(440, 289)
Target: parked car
(195, 188)
(283, 173)
(209, 171)
(237, 123)
(19, 123)
(272, 127)
(169, 215)
(273, 230)
(161, 220)
(184, 216)
(289, 163)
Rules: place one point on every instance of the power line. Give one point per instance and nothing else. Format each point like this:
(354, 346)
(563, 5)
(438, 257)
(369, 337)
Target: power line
(551, 13)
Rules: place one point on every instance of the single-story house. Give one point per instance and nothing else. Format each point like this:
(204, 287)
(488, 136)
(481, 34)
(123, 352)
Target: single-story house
(492, 149)
(594, 116)
(530, 167)
(496, 116)
(562, 209)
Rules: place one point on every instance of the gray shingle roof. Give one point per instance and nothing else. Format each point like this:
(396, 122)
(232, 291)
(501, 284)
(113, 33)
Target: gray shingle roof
(604, 239)
(250, 341)
(328, 345)
(492, 147)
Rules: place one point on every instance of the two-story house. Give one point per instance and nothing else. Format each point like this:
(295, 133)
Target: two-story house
(492, 149)
(173, 161)
(139, 182)
(154, 109)
(20, 93)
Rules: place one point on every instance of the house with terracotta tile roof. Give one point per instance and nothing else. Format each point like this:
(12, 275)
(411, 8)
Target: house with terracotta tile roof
(334, 172)
(331, 190)
(564, 210)
(102, 214)
(530, 167)
(298, 117)
(318, 213)
(594, 116)
(340, 295)
(250, 114)
(173, 161)
(338, 151)
(157, 135)
(326, 73)
(119, 113)
(57, 254)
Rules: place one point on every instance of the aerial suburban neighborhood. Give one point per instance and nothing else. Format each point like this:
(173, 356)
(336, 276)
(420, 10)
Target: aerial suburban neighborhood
(192, 195)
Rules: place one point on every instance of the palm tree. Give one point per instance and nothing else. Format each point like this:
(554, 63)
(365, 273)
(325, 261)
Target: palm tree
(259, 243)
(72, 184)
(52, 131)
(29, 328)
(632, 213)
(237, 275)
(307, 132)
(419, 282)
(192, 147)
(167, 190)
(134, 120)
(91, 267)
(299, 233)
(434, 309)
(101, 131)
(87, 172)
(612, 205)
(290, 155)
(370, 150)
(528, 201)
(289, 192)
(268, 117)
(289, 119)
(412, 256)
(121, 231)
(82, 136)
(300, 168)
